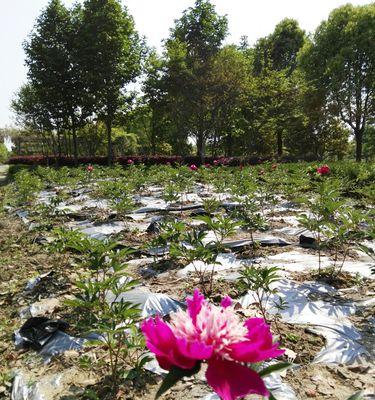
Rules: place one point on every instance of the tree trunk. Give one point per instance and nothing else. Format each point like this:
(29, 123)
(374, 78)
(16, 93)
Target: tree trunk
(279, 143)
(229, 144)
(358, 134)
(153, 136)
(214, 146)
(201, 148)
(108, 125)
(59, 143)
(75, 147)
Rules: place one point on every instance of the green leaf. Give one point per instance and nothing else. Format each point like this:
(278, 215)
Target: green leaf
(356, 396)
(175, 375)
(274, 368)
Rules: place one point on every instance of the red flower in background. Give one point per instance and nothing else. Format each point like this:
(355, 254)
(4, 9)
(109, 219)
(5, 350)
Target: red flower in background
(323, 170)
(90, 168)
(193, 167)
(130, 161)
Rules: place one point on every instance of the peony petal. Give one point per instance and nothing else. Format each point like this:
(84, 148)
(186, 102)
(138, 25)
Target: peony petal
(232, 381)
(161, 341)
(254, 322)
(164, 362)
(258, 329)
(254, 352)
(259, 345)
(194, 305)
(158, 333)
(195, 350)
(226, 302)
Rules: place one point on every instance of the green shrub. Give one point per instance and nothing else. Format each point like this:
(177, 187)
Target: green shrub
(4, 154)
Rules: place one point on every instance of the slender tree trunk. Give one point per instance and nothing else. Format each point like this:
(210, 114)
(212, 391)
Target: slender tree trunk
(229, 144)
(214, 145)
(153, 136)
(358, 134)
(59, 142)
(201, 147)
(75, 147)
(53, 146)
(67, 144)
(108, 125)
(279, 143)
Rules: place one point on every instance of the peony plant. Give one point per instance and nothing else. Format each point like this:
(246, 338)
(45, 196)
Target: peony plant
(214, 335)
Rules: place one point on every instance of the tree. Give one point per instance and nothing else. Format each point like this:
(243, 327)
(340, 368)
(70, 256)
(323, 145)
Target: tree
(163, 127)
(340, 61)
(30, 112)
(228, 80)
(369, 142)
(285, 43)
(110, 55)
(278, 53)
(268, 108)
(190, 51)
(318, 133)
(55, 81)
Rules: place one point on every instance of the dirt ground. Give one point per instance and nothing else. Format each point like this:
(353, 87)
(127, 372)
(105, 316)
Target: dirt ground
(22, 257)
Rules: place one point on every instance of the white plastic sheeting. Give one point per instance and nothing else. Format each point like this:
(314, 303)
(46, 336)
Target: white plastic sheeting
(225, 261)
(23, 390)
(40, 308)
(59, 344)
(28, 385)
(298, 260)
(99, 231)
(304, 306)
(150, 303)
(78, 202)
(281, 390)
(23, 215)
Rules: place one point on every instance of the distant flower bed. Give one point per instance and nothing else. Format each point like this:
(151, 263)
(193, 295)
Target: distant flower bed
(129, 160)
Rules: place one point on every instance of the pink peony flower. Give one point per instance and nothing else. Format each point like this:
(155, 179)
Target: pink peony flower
(216, 162)
(193, 167)
(206, 332)
(323, 170)
(207, 165)
(130, 161)
(90, 168)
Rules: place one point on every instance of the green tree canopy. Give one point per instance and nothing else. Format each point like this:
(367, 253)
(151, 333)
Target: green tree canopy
(194, 42)
(110, 52)
(55, 81)
(340, 61)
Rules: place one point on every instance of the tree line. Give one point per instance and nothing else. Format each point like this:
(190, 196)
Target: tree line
(92, 78)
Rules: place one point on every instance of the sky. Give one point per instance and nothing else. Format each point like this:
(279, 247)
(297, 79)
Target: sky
(153, 18)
